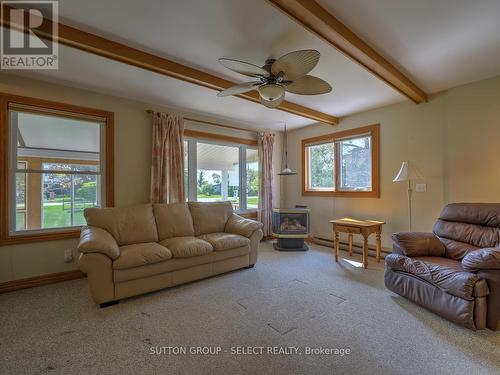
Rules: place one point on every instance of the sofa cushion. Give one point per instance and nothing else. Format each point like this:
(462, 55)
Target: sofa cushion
(176, 264)
(141, 254)
(445, 274)
(210, 217)
(225, 241)
(173, 220)
(185, 247)
(128, 225)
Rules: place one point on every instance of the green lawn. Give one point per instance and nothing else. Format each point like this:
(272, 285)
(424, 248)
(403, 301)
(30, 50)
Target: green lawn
(54, 216)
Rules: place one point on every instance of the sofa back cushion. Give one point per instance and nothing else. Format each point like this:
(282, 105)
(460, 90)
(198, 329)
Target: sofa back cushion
(464, 227)
(128, 225)
(210, 217)
(173, 220)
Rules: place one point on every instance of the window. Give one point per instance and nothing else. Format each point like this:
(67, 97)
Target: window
(342, 164)
(56, 161)
(355, 169)
(320, 165)
(66, 195)
(252, 189)
(219, 168)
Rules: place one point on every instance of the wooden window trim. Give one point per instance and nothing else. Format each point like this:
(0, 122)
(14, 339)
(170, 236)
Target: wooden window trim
(217, 137)
(5, 100)
(374, 132)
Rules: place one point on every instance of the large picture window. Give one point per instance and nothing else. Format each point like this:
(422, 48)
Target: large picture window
(56, 161)
(342, 164)
(221, 170)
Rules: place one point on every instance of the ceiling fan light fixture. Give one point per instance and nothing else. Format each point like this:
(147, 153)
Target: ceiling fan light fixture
(271, 91)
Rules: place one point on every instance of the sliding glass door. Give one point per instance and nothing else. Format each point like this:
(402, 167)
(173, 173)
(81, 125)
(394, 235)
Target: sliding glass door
(216, 171)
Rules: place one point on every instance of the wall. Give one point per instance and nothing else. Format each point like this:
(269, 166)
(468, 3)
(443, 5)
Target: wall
(132, 166)
(472, 138)
(453, 139)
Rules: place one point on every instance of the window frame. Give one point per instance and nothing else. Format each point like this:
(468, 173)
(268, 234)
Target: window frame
(371, 130)
(55, 108)
(193, 136)
(24, 211)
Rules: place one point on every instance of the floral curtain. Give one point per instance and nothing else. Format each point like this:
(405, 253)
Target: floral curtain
(167, 165)
(264, 215)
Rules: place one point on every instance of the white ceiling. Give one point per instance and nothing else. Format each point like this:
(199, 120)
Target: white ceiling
(441, 43)
(197, 33)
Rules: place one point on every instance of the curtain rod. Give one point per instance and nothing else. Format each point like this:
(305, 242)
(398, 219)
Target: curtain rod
(149, 111)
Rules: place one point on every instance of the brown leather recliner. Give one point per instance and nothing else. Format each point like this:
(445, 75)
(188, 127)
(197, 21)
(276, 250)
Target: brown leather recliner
(454, 271)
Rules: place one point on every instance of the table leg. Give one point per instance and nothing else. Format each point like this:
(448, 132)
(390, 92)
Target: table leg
(365, 251)
(337, 246)
(379, 245)
(350, 244)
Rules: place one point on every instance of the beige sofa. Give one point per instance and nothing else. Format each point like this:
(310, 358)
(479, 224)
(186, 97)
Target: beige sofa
(133, 250)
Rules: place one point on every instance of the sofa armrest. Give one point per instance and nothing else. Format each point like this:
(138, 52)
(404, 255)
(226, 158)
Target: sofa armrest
(482, 259)
(97, 240)
(414, 244)
(242, 226)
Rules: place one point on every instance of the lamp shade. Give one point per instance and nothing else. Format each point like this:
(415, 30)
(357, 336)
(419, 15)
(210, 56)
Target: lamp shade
(408, 172)
(271, 91)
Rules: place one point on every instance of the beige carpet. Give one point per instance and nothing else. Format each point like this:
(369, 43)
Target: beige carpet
(294, 300)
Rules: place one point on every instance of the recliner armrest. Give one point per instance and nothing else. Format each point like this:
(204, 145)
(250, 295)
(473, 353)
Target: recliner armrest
(97, 240)
(482, 259)
(242, 226)
(414, 244)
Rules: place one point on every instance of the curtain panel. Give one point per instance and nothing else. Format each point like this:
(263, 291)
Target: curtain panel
(167, 164)
(264, 213)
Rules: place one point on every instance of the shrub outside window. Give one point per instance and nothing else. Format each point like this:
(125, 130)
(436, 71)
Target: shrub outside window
(342, 164)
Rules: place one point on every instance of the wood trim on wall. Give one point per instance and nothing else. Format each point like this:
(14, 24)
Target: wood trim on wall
(218, 137)
(318, 20)
(5, 99)
(374, 131)
(107, 48)
(31, 282)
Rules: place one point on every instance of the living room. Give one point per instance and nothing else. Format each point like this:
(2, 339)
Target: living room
(345, 222)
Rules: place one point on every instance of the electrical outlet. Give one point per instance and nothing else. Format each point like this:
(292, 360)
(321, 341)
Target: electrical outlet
(421, 188)
(68, 255)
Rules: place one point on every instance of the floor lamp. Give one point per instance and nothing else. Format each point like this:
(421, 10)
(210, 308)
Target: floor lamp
(407, 173)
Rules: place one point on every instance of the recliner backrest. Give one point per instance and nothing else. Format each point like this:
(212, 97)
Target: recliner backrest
(464, 227)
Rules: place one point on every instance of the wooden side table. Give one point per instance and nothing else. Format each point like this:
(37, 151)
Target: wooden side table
(363, 227)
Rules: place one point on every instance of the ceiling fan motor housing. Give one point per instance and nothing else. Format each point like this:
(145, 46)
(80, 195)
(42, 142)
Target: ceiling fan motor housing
(288, 73)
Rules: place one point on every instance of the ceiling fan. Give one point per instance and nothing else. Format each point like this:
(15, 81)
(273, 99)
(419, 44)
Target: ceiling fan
(288, 73)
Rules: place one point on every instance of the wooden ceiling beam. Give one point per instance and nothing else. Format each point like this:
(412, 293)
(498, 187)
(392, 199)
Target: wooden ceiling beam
(97, 45)
(315, 18)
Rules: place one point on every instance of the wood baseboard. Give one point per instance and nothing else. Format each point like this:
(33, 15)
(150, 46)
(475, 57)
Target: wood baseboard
(32, 282)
